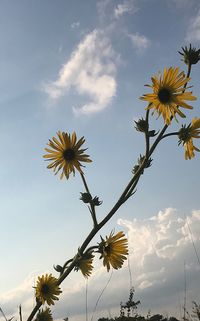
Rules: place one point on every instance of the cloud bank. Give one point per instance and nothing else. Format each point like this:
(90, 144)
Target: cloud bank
(159, 248)
(90, 71)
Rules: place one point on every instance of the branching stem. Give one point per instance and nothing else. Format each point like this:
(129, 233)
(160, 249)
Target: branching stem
(127, 193)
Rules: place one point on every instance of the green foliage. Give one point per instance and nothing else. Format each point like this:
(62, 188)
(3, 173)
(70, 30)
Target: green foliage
(128, 312)
(130, 306)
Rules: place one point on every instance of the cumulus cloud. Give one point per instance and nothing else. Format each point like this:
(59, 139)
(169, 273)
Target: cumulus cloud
(91, 71)
(158, 249)
(160, 246)
(139, 42)
(22, 294)
(127, 6)
(193, 32)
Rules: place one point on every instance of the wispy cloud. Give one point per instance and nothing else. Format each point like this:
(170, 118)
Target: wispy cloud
(182, 3)
(193, 32)
(127, 6)
(91, 71)
(75, 24)
(139, 42)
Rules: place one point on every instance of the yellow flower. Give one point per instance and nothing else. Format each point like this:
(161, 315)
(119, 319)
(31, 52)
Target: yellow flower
(114, 250)
(85, 264)
(47, 289)
(168, 94)
(44, 315)
(66, 154)
(186, 135)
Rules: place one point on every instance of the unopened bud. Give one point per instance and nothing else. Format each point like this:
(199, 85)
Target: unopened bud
(142, 125)
(86, 197)
(190, 55)
(96, 201)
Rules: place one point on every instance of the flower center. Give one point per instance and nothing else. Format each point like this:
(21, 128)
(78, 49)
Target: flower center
(164, 95)
(108, 249)
(45, 289)
(69, 154)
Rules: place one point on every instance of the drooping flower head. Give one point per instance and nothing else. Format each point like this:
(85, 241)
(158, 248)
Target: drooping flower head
(186, 135)
(85, 264)
(169, 94)
(44, 315)
(114, 250)
(47, 289)
(66, 154)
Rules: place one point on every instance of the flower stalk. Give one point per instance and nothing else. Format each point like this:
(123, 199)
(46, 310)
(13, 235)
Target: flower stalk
(67, 156)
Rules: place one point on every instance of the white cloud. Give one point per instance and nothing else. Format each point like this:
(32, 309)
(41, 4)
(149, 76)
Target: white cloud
(102, 7)
(127, 6)
(139, 42)
(22, 294)
(91, 71)
(158, 248)
(193, 32)
(75, 24)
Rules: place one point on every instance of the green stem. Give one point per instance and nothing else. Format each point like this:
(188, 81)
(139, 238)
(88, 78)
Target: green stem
(66, 263)
(170, 134)
(97, 226)
(146, 135)
(34, 311)
(92, 207)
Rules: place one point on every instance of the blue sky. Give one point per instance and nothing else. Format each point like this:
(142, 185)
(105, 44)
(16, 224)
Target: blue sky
(82, 65)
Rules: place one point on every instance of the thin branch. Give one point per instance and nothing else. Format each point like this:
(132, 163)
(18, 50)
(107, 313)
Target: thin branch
(20, 312)
(100, 295)
(170, 134)
(86, 300)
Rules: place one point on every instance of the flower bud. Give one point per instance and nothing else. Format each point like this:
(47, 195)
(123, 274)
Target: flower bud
(86, 197)
(190, 55)
(152, 133)
(184, 134)
(142, 125)
(140, 161)
(96, 201)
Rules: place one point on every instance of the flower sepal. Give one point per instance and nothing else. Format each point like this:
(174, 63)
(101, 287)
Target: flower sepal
(96, 201)
(58, 268)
